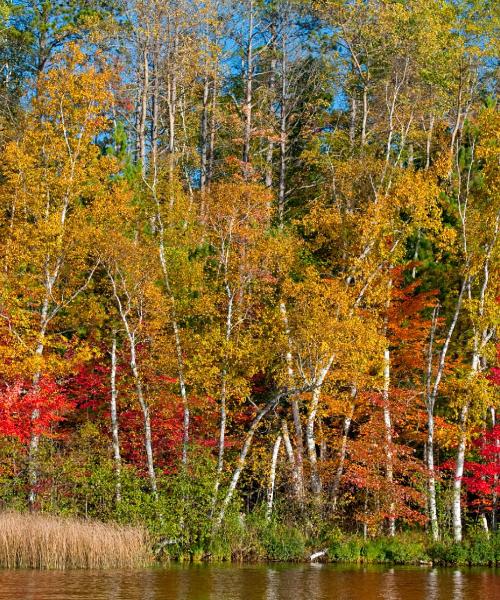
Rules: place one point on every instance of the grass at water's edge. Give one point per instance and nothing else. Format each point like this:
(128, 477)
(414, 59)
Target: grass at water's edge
(49, 542)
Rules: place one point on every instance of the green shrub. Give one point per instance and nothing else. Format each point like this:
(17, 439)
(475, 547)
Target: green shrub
(405, 551)
(374, 551)
(283, 543)
(347, 550)
(448, 553)
(481, 548)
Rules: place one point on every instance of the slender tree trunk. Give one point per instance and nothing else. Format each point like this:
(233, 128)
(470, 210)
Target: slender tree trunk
(430, 401)
(114, 423)
(213, 128)
(223, 395)
(365, 115)
(148, 440)
(457, 482)
(204, 136)
(480, 339)
(155, 115)
(35, 415)
(297, 423)
(247, 107)
(346, 427)
(172, 101)
(297, 486)
(428, 143)
(388, 440)
(243, 455)
(175, 330)
(143, 112)
(283, 134)
(311, 442)
(222, 434)
(352, 123)
(272, 476)
(432, 476)
(182, 389)
(272, 97)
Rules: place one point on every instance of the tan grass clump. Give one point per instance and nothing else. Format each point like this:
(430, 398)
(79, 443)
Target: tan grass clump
(46, 542)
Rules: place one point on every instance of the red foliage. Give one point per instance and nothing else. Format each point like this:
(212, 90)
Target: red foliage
(483, 476)
(19, 401)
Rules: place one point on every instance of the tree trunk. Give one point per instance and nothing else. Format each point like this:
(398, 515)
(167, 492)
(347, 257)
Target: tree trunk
(283, 135)
(243, 455)
(148, 442)
(34, 437)
(155, 115)
(432, 476)
(342, 455)
(182, 388)
(248, 83)
(204, 141)
(311, 442)
(297, 486)
(272, 477)
(213, 126)
(365, 115)
(388, 440)
(114, 423)
(299, 437)
(457, 482)
(430, 402)
(352, 123)
(143, 110)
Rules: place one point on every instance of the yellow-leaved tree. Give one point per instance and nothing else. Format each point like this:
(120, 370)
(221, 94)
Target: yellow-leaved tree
(51, 177)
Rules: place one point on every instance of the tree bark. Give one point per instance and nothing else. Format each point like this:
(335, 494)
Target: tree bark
(283, 134)
(311, 442)
(430, 402)
(248, 85)
(243, 454)
(342, 455)
(389, 466)
(204, 137)
(457, 482)
(143, 112)
(272, 477)
(297, 423)
(114, 423)
(131, 337)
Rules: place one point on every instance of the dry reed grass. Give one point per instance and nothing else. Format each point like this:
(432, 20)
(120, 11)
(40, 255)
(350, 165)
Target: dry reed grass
(47, 542)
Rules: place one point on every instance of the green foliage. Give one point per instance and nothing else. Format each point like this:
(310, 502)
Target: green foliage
(283, 543)
(478, 549)
(346, 550)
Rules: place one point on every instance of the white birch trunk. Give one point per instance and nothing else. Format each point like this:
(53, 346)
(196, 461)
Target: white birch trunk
(114, 423)
(243, 455)
(457, 482)
(297, 424)
(311, 442)
(342, 456)
(389, 467)
(272, 477)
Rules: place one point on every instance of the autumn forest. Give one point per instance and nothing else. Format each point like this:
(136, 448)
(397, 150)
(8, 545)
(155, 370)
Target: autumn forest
(249, 266)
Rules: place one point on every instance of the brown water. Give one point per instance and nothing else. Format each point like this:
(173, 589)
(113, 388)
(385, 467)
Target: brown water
(274, 582)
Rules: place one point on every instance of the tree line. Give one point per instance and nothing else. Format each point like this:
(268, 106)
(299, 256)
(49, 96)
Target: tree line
(250, 262)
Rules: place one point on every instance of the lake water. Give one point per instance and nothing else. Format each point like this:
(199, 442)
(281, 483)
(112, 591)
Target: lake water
(250, 582)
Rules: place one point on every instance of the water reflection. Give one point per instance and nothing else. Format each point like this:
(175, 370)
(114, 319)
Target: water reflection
(432, 587)
(254, 582)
